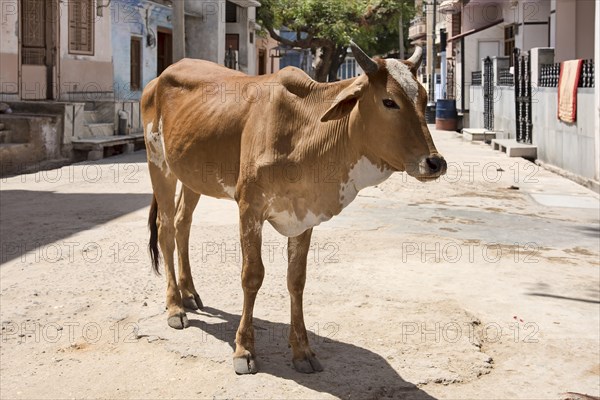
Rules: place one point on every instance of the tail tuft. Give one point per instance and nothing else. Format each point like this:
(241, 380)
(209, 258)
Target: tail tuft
(153, 244)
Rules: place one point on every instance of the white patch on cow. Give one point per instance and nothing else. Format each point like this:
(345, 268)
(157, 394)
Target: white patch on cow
(401, 73)
(229, 190)
(288, 224)
(156, 152)
(362, 174)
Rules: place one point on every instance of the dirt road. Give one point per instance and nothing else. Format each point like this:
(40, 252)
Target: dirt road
(484, 284)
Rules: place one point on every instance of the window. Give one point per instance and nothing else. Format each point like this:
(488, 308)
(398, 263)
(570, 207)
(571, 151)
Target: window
(33, 42)
(81, 27)
(230, 12)
(509, 42)
(136, 63)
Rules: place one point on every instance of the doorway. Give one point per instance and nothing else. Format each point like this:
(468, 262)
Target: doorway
(164, 50)
(39, 33)
(262, 62)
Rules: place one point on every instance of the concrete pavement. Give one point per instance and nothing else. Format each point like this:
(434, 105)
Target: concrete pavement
(482, 284)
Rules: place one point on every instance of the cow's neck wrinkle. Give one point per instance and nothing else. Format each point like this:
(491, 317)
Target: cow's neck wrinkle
(324, 142)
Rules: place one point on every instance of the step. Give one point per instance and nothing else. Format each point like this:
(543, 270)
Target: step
(90, 117)
(97, 129)
(98, 117)
(512, 148)
(98, 147)
(478, 135)
(1, 126)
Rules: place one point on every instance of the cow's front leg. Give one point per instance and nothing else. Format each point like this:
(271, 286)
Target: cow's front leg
(303, 357)
(252, 276)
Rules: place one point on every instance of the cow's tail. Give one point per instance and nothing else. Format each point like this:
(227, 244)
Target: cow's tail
(153, 244)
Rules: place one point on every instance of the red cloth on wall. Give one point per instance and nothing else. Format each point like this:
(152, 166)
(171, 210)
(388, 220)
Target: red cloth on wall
(567, 90)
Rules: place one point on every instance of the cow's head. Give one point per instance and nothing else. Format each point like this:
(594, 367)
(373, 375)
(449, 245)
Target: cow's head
(387, 115)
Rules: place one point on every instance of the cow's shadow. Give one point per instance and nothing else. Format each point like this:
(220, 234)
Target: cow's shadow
(350, 371)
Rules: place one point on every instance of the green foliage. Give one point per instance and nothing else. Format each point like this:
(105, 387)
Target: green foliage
(331, 24)
(382, 34)
(330, 19)
(371, 23)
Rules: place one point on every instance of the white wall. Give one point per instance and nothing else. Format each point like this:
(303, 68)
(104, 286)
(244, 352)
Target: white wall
(567, 146)
(252, 70)
(245, 25)
(9, 50)
(85, 73)
(472, 60)
(504, 110)
(205, 30)
(531, 16)
(574, 29)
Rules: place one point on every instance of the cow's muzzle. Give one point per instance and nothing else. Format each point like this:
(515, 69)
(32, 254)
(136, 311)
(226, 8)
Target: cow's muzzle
(432, 167)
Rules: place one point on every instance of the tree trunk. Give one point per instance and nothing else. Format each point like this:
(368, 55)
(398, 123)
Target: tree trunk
(322, 63)
(338, 59)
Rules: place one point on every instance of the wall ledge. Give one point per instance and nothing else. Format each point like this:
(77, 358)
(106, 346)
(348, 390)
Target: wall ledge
(589, 183)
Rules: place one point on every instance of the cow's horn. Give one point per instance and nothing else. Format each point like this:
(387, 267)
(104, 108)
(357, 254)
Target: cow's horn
(415, 59)
(366, 63)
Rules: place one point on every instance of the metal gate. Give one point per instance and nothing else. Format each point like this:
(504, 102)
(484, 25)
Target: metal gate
(488, 94)
(523, 96)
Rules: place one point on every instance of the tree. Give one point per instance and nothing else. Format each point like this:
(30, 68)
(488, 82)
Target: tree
(326, 27)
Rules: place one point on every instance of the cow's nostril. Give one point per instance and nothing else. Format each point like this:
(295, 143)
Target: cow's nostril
(434, 163)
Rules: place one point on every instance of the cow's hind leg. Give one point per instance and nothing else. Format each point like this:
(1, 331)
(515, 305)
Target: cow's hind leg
(253, 272)
(303, 357)
(164, 186)
(186, 204)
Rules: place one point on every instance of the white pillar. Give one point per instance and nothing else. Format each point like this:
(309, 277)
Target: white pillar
(442, 92)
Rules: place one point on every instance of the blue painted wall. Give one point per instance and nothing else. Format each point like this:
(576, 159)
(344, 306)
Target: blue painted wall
(135, 18)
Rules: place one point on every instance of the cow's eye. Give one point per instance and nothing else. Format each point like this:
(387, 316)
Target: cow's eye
(389, 103)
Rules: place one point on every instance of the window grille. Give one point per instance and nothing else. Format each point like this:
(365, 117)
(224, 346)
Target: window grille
(81, 27)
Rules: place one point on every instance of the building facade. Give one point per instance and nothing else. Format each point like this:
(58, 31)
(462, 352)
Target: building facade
(73, 71)
(55, 50)
(142, 41)
(544, 34)
(267, 55)
(216, 29)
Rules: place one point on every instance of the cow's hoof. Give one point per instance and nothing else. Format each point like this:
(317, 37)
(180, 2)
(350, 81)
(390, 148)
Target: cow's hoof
(193, 303)
(178, 321)
(245, 364)
(308, 365)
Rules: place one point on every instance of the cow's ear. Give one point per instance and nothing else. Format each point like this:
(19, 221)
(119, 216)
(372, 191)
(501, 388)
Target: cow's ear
(343, 103)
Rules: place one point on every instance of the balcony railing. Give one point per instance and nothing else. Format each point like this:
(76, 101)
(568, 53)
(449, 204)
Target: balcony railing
(550, 73)
(505, 78)
(586, 79)
(417, 28)
(476, 78)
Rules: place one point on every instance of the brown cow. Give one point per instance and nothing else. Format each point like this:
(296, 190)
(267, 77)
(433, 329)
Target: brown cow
(288, 150)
